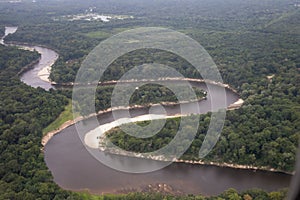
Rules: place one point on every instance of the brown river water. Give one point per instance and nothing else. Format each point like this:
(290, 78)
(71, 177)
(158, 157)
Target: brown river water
(74, 168)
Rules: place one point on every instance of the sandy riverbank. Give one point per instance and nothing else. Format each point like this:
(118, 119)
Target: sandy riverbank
(113, 82)
(91, 138)
(44, 73)
(49, 135)
(193, 162)
(94, 143)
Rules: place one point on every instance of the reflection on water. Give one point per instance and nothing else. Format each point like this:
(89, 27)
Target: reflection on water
(48, 57)
(74, 168)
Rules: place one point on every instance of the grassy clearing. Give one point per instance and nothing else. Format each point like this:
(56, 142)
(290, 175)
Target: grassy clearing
(98, 34)
(88, 196)
(66, 115)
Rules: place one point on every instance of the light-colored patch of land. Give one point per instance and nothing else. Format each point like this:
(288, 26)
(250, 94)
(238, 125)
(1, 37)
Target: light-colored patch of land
(92, 137)
(66, 115)
(92, 17)
(104, 35)
(270, 77)
(119, 30)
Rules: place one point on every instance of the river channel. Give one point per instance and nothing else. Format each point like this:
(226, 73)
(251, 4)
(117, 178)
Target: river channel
(74, 168)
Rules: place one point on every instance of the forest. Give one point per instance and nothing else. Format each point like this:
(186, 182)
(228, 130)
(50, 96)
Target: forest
(255, 45)
(24, 112)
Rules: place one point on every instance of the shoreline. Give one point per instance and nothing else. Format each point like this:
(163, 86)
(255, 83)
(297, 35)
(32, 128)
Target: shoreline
(199, 162)
(69, 123)
(190, 162)
(28, 67)
(49, 135)
(91, 142)
(113, 82)
(43, 73)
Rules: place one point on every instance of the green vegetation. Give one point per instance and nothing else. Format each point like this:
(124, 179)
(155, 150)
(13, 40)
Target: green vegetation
(98, 35)
(230, 194)
(130, 143)
(144, 95)
(264, 132)
(248, 40)
(24, 112)
(66, 115)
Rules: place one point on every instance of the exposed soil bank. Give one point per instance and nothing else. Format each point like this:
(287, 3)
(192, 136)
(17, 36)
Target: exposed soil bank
(233, 106)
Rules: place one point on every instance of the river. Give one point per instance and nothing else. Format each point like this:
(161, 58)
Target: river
(38, 75)
(74, 168)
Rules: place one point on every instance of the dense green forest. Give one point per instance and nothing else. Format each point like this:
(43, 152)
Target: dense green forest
(249, 40)
(24, 112)
(264, 132)
(146, 95)
(236, 36)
